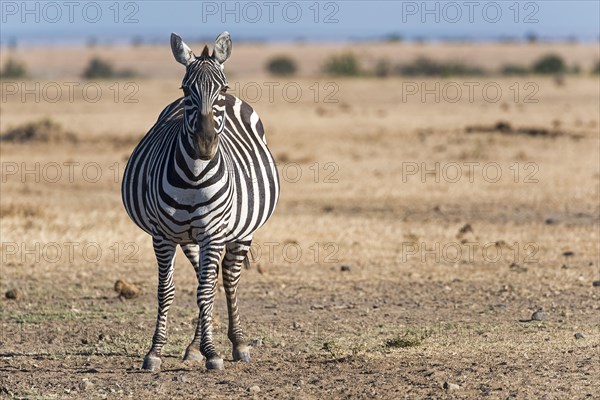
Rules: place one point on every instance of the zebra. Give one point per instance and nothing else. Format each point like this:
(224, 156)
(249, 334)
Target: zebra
(202, 178)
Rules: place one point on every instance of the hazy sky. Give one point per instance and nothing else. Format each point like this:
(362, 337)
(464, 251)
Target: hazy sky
(78, 21)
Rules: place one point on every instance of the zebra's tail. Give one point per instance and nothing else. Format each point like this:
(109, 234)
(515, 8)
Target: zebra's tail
(246, 261)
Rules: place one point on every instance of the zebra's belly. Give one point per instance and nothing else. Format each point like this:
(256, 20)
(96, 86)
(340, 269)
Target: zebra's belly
(187, 216)
(253, 205)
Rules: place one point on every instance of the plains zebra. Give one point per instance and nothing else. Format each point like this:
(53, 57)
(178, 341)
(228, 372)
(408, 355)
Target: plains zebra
(202, 178)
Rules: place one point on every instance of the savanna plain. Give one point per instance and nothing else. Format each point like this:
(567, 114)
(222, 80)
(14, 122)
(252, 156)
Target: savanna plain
(417, 237)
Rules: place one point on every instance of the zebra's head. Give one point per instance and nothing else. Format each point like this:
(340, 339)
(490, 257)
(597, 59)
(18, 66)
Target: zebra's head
(204, 86)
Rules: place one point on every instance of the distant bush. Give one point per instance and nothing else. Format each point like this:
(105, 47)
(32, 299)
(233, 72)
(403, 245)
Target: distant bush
(43, 130)
(99, 69)
(393, 38)
(549, 64)
(282, 66)
(137, 41)
(383, 69)
(514, 70)
(531, 37)
(13, 69)
(342, 65)
(91, 42)
(425, 67)
(596, 69)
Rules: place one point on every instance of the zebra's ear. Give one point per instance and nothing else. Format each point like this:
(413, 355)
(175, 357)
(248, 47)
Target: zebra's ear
(181, 51)
(222, 49)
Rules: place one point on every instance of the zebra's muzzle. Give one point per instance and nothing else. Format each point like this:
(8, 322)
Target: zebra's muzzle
(206, 136)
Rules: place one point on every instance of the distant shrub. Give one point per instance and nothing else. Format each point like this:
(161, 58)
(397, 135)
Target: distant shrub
(43, 130)
(531, 37)
(137, 41)
(596, 69)
(393, 38)
(91, 42)
(549, 64)
(343, 65)
(514, 70)
(99, 69)
(383, 69)
(13, 69)
(425, 67)
(282, 66)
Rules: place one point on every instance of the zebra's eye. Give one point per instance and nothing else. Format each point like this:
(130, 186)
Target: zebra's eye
(224, 89)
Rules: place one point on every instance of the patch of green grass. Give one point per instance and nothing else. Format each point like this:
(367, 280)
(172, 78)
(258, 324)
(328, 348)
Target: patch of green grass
(403, 342)
(332, 347)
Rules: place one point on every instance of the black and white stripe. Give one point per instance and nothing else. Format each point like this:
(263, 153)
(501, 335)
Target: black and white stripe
(202, 178)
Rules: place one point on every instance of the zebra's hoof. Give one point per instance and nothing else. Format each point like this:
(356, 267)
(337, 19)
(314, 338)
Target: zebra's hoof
(151, 364)
(192, 355)
(214, 363)
(241, 354)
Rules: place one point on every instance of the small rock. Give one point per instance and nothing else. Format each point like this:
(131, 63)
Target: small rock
(550, 221)
(517, 268)
(466, 228)
(254, 389)
(596, 283)
(345, 268)
(539, 315)
(568, 254)
(126, 290)
(261, 270)
(256, 342)
(15, 294)
(180, 378)
(450, 386)
(86, 385)
(579, 335)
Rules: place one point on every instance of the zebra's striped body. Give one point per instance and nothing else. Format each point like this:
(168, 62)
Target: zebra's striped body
(166, 189)
(202, 178)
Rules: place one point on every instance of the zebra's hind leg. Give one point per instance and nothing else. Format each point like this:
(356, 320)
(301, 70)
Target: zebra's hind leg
(210, 255)
(165, 255)
(192, 352)
(235, 255)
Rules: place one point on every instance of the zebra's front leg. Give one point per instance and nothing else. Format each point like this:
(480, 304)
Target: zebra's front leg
(192, 352)
(165, 255)
(232, 266)
(210, 255)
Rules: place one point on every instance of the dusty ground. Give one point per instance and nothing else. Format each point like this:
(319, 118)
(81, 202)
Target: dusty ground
(423, 301)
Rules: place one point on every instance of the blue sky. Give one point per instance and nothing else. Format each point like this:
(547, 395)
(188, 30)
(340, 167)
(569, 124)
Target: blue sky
(111, 21)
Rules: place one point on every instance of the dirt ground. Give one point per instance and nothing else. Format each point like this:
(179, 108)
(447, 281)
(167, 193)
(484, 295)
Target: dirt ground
(413, 241)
